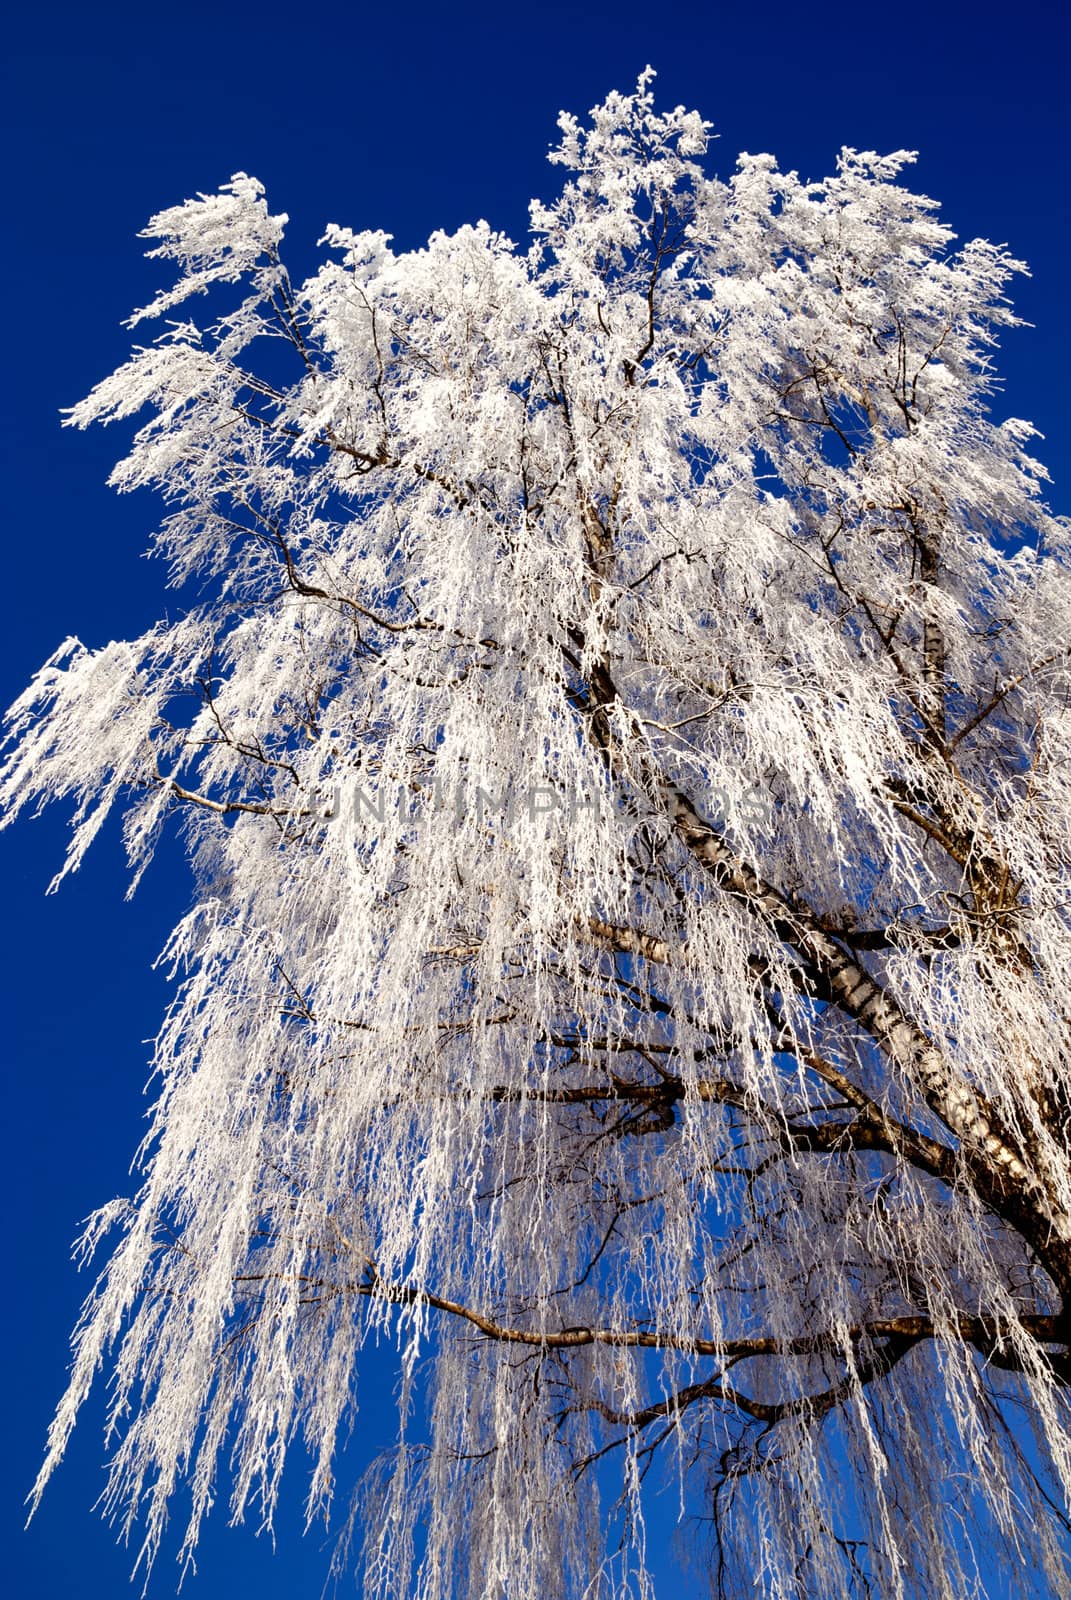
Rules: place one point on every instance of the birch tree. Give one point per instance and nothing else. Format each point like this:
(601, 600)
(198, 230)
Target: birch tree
(617, 713)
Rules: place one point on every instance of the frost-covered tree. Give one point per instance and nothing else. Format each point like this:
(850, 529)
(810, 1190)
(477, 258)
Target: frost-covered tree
(620, 727)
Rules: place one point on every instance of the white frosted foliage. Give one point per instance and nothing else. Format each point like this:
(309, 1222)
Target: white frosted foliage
(618, 716)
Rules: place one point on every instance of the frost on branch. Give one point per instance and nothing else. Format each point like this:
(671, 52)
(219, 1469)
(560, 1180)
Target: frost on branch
(621, 737)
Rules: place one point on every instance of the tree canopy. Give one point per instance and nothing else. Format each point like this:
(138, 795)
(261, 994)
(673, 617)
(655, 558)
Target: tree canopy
(619, 722)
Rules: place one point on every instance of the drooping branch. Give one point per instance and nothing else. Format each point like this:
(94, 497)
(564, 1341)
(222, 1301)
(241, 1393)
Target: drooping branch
(982, 1331)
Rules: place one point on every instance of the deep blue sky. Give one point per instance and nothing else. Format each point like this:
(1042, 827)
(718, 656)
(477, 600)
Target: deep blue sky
(429, 118)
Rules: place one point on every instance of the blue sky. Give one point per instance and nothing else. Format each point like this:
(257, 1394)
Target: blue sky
(427, 118)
